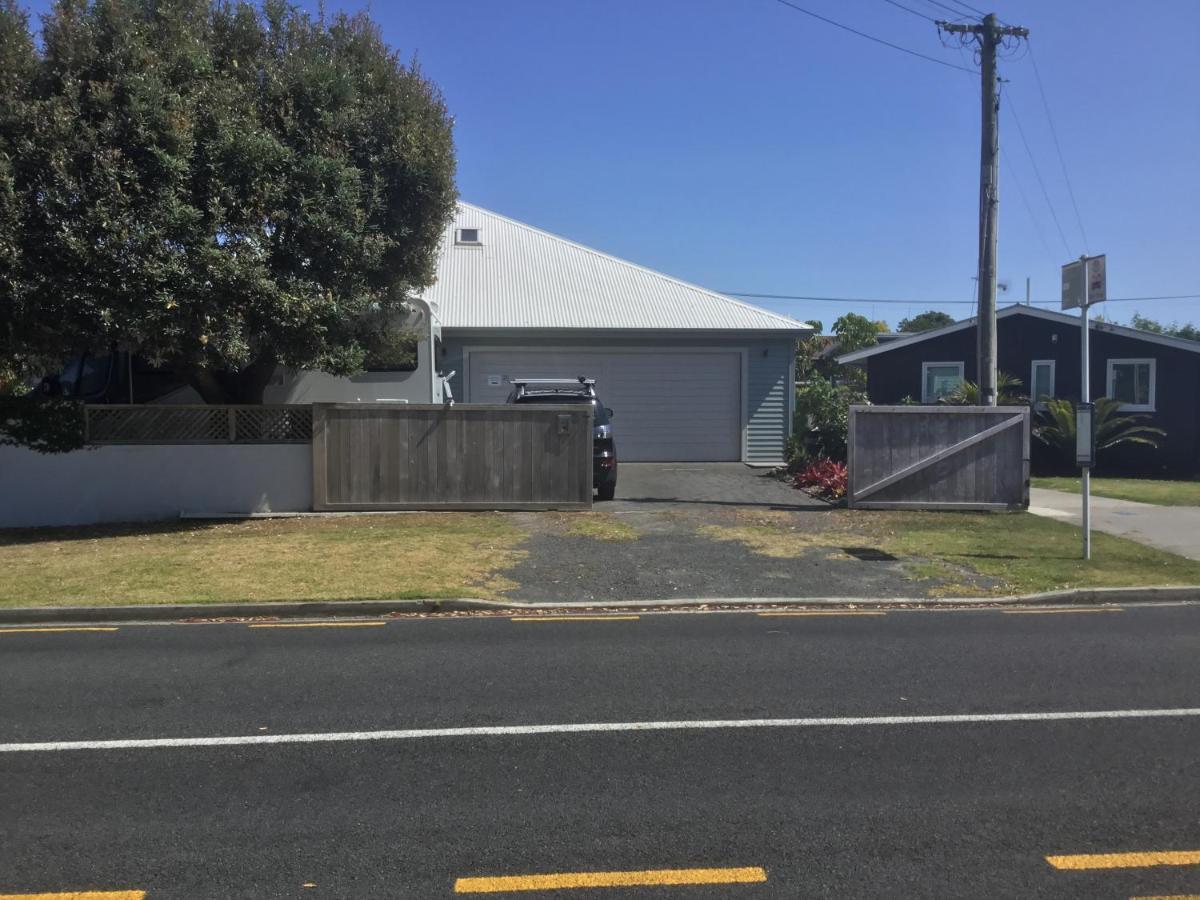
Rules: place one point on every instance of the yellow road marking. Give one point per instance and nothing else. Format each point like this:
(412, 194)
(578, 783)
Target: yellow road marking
(1138, 860)
(575, 618)
(1051, 612)
(825, 612)
(79, 895)
(48, 631)
(317, 625)
(567, 880)
(1170, 897)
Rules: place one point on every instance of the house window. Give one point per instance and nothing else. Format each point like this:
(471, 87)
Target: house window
(939, 379)
(1132, 382)
(468, 236)
(1041, 381)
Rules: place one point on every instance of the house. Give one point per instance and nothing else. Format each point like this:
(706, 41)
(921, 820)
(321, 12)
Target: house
(1152, 374)
(690, 374)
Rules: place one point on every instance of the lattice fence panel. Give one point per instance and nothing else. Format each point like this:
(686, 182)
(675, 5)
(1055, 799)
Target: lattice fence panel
(199, 424)
(273, 425)
(157, 425)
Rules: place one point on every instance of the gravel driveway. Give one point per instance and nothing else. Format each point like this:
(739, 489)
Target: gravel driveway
(677, 530)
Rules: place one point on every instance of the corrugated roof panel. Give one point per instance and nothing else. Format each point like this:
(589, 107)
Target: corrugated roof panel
(521, 277)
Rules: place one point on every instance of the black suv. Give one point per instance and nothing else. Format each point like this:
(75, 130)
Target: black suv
(578, 390)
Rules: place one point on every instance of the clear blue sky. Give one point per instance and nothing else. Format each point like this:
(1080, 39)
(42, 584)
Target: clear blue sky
(744, 146)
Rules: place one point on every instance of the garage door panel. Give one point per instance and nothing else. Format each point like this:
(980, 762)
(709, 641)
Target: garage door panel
(668, 406)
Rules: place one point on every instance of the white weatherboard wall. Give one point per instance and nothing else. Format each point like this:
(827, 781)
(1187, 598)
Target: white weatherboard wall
(145, 482)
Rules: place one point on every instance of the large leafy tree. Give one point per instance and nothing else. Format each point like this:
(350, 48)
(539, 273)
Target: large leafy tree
(925, 321)
(219, 187)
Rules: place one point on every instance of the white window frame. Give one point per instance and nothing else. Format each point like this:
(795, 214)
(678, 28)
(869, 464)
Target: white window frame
(926, 366)
(1110, 381)
(458, 238)
(1033, 367)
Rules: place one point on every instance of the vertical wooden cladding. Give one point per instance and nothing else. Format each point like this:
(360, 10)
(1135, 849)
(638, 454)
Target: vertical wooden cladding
(953, 457)
(370, 456)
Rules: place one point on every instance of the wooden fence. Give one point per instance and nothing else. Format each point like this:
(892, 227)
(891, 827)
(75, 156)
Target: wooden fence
(369, 456)
(939, 457)
(198, 424)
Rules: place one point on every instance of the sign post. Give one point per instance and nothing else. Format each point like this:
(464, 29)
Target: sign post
(1084, 283)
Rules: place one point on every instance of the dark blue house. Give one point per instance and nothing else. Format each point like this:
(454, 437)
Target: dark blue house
(1152, 374)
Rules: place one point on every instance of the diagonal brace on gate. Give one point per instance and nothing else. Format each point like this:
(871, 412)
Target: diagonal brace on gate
(946, 453)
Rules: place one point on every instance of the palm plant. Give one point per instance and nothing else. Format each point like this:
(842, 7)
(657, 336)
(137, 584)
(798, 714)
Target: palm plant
(1056, 426)
(1007, 393)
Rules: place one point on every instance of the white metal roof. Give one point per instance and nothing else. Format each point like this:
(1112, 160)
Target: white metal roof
(521, 277)
(1022, 310)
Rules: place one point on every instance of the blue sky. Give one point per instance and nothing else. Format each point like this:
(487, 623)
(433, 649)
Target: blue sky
(746, 147)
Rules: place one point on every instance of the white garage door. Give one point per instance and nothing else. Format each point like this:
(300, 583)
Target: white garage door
(668, 407)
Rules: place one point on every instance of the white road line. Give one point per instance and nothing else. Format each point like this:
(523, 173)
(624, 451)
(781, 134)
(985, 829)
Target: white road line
(331, 737)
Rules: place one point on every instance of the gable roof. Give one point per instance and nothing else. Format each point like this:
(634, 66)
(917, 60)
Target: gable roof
(1021, 310)
(522, 277)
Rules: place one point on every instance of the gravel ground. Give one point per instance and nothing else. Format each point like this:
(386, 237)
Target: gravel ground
(672, 555)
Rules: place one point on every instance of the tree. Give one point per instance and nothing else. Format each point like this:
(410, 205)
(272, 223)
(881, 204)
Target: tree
(1056, 426)
(218, 187)
(1007, 392)
(855, 332)
(925, 321)
(1188, 331)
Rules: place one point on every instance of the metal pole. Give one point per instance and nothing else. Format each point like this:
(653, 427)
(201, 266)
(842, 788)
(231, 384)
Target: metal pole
(1085, 395)
(989, 207)
(1028, 301)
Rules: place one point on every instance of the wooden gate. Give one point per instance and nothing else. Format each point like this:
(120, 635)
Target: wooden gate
(939, 457)
(370, 456)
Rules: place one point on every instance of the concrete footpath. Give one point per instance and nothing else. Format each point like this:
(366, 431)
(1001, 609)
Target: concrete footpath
(1172, 528)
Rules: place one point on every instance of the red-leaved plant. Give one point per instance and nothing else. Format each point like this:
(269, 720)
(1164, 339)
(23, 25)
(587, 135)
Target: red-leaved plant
(826, 478)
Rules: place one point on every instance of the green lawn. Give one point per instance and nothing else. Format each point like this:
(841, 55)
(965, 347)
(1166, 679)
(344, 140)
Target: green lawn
(1016, 553)
(1027, 553)
(1145, 490)
(342, 558)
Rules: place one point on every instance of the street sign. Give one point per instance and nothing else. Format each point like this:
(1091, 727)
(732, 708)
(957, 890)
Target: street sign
(1097, 279)
(1074, 285)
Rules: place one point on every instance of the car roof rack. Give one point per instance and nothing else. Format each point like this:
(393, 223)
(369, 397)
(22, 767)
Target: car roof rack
(523, 384)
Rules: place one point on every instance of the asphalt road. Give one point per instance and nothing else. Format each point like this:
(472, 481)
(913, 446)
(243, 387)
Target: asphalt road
(845, 808)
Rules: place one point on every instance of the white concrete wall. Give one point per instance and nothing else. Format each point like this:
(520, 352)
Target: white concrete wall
(154, 481)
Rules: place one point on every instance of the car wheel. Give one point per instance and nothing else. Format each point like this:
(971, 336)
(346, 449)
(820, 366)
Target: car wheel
(606, 491)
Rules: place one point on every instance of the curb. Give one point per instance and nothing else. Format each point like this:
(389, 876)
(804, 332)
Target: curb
(324, 608)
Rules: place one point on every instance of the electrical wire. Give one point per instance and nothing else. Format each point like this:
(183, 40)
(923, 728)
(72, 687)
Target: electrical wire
(949, 9)
(911, 10)
(869, 37)
(1054, 134)
(968, 7)
(1037, 229)
(861, 300)
(1037, 174)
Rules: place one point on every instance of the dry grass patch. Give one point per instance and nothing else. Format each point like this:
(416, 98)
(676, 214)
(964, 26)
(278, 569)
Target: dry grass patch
(601, 526)
(342, 558)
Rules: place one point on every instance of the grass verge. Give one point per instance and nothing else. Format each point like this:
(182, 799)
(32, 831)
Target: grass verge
(1159, 491)
(343, 558)
(966, 554)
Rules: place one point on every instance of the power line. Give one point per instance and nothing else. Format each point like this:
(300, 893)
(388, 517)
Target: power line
(1037, 174)
(863, 34)
(1037, 229)
(949, 9)
(969, 8)
(1054, 134)
(910, 10)
(910, 302)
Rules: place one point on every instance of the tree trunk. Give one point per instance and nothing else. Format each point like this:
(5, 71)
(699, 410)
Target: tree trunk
(245, 386)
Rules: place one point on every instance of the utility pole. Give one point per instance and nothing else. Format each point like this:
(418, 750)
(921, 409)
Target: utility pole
(988, 33)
